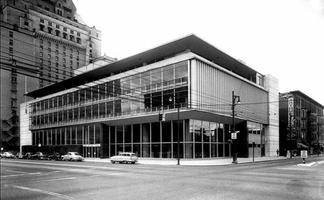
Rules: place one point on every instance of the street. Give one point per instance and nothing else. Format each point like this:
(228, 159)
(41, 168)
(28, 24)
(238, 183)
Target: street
(281, 179)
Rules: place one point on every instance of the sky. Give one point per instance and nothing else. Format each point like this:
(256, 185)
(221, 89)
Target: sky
(284, 38)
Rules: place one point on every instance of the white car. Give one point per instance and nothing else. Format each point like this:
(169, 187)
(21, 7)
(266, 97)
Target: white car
(72, 156)
(124, 157)
(7, 155)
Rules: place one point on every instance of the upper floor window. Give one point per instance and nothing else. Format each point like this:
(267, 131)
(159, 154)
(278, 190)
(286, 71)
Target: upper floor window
(41, 20)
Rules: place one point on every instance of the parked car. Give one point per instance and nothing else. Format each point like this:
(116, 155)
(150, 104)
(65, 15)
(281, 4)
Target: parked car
(124, 157)
(55, 156)
(72, 156)
(19, 155)
(7, 154)
(39, 156)
(27, 155)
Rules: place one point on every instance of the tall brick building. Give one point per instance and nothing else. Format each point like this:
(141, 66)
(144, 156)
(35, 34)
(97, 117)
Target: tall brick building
(42, 42)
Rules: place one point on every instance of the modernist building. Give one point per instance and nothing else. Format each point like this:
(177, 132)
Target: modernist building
(42, 42)
(146, 103)
(301, 122)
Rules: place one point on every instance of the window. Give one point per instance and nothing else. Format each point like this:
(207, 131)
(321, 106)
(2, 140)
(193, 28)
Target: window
(71, 31)
(10, 34)
(26, 23)
(49, 30)
(50, 23)
(78, 40)
(78, 34)
(64, 35)
(57, 33)
(57, 26)
(10, 50)
(64, 29)
(10, 42)
(41, 27)
(41, 20)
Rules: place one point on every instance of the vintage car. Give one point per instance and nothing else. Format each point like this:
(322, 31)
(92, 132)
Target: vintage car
(124, 157)
(72, 156)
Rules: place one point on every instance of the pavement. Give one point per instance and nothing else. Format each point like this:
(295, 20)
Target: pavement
(192, 162)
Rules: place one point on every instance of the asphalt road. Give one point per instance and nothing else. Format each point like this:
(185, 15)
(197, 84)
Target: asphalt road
(282, 179)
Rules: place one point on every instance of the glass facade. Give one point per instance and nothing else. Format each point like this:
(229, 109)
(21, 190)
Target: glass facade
(152, 90)
(198, 139)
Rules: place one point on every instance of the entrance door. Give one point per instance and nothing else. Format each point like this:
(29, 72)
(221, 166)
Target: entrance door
(91, 152)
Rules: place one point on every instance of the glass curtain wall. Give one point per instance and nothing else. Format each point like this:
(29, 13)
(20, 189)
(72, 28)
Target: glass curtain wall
(198, 139)
(161, 88)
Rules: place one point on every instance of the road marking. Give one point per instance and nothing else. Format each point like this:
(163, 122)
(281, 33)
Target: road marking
(13, 175)
(306, 164)
(61, 196)
(62, 165)
(56, 179)
(16, 171)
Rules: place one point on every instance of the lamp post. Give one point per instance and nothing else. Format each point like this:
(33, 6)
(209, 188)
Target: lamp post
(235, 101)
(178, 130)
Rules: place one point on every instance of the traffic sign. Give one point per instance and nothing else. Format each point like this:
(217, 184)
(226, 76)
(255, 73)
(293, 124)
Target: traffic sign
(303, 154)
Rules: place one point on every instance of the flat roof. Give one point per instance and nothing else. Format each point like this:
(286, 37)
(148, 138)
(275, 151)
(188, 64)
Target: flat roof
(189, 43)
(298, 92)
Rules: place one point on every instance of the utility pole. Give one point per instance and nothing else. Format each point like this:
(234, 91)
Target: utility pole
(178, 133)
(234, 148)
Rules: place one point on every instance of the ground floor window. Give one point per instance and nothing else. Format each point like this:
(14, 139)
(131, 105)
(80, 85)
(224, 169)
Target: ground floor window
(197, 139)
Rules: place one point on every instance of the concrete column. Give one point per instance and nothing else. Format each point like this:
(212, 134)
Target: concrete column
(272, 130)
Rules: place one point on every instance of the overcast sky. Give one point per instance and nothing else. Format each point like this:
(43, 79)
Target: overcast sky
(284, 38)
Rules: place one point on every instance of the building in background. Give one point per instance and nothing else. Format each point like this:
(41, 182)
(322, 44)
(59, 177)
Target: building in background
(301, 123)
(147, 103)
(42, 42)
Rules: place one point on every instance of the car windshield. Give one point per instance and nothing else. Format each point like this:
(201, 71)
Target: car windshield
(76, 153)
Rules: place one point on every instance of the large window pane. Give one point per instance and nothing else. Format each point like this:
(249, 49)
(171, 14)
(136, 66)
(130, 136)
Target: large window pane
(156, 132)
(120, 137)
(128, 136)
(166, 131)
(136, 133)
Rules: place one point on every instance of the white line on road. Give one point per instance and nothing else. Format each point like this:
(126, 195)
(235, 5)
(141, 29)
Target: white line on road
(61, 196)
(16, 171)
(63, 165)
(56, 179)
(12, 175)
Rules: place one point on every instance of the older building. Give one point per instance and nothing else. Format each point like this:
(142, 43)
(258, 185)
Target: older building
(301, 122)
(42, 42)
(173, 100)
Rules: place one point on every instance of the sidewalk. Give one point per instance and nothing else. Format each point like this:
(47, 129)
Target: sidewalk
(191, 162)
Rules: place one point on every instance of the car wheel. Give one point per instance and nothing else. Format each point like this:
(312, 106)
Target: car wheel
(133, 162)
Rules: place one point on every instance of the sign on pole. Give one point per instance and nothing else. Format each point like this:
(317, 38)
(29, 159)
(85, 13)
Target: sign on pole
(303, 154)
(234, 135)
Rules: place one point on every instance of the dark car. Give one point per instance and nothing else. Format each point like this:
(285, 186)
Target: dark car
(27, 155)
(55, 156)
(39, 156)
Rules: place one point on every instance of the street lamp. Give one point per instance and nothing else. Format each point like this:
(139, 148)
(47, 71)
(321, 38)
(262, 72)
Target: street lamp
(235, 100)
(178, 130)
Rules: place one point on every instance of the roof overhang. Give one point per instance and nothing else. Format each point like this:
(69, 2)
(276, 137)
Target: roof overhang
(190, 43)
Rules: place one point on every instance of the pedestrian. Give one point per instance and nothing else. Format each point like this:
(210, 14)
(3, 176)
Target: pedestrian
(277, 152)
